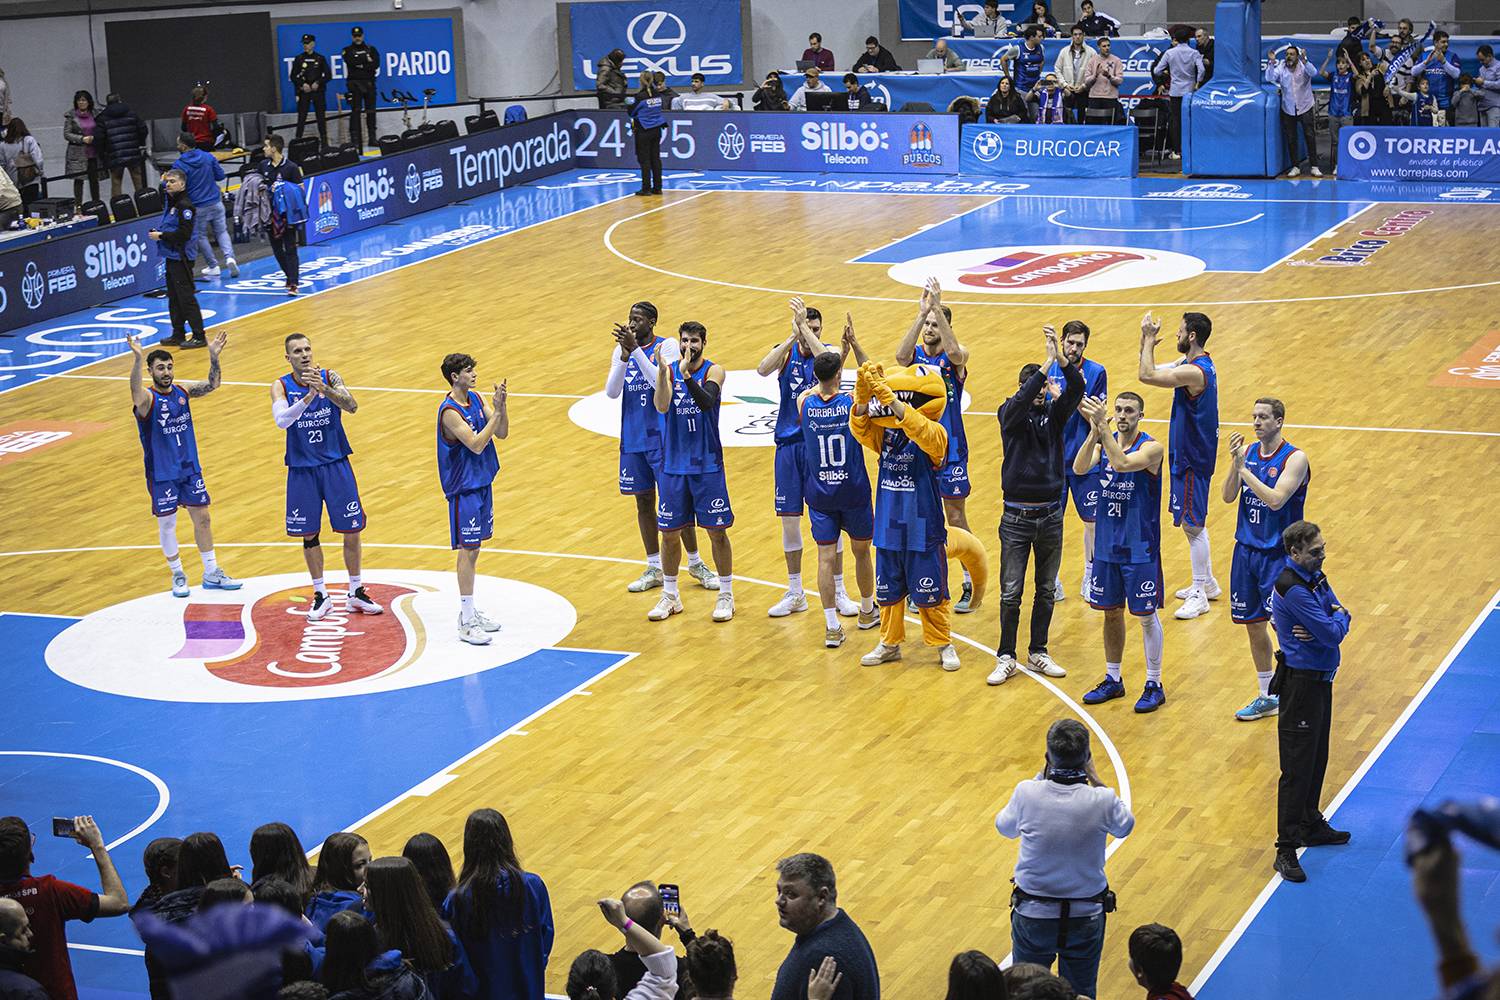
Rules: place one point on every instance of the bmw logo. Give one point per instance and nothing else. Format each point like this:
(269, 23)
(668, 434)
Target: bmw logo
(413, 183)
(988, 146)
(33, 285)
(731, 142)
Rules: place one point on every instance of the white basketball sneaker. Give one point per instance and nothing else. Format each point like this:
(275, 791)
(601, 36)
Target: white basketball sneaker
(321, 605)
(724, 607)
(846, 605)
(666, 606)
(1196, 604)
(948, 657)
(471, 633)
(361, 601)
(1212, 591)
(485, 622)
(790, 603)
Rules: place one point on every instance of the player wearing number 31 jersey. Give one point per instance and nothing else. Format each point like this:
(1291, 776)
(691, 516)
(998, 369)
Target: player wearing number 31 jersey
(309, 403)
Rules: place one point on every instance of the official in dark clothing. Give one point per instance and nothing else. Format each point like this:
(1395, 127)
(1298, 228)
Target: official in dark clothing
(121, 136)
(174, 241)
(310, 76)
(647, 119)
(1310, 624)
(807, 900)
(361, 67)
(1031, 479)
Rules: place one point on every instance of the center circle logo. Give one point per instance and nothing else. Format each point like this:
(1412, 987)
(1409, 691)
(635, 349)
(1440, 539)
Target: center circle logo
(256, 644)
(731, 142)
(747, 415)
(1047, 270)
(988, 146)
(1362, 145)
(413, 183)
(656, 33)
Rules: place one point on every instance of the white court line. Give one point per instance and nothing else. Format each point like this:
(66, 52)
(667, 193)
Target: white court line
(1223, 950)
(923, 229)
(1060, 196)
(163, 794)
(1176, 229)
(356, 388)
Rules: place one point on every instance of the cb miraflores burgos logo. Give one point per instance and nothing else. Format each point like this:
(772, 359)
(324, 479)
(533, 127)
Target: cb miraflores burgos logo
(747, 415)
(1047, 270)
(840, 142)
(256, 644)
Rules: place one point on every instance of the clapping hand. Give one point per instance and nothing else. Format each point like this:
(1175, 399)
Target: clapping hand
(1096, 414)
(1049, 332)
(1237, 449)
(499, 397)
(1150, 330)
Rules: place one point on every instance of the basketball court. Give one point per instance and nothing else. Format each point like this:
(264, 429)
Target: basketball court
(700, 753)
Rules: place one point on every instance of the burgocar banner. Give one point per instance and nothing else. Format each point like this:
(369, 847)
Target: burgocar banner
(1420, 154)
(48, 279)
(415, 53)
(732, 140)
(925, 19)
(1050, 150)
(392, 187)
(677, 37)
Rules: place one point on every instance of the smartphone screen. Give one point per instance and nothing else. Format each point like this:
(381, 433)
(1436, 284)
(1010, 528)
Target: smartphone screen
(62, 826)
(670, 899)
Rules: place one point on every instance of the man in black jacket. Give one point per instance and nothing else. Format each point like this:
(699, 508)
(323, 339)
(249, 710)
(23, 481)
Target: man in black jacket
(121, 135)
(643, 904)
(876, 58)
(361, 66)
(15, 946)
(310, 76)
(174, 240)
(1031, 479)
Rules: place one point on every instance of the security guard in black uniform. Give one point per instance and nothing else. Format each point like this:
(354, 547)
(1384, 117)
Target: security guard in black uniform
(310, 76)
(361, 66)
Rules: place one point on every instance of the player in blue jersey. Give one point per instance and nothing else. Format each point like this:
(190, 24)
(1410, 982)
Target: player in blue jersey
(632, 380)
(1084, 489)
(791, 361)
(467, 428)
(309, 404)
(691, 484)
(1127, 541)
(1269, 480)
(1192, 443)
(836, 487)
(930, 341)
(164, 418)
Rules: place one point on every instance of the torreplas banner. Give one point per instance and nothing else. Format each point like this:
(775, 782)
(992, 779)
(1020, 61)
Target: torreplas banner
(1379, 153)
(1050, 150)
(924, 19)
(676, 37)
(43, 280)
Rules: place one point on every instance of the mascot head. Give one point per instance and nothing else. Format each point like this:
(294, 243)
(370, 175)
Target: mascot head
(920, 387)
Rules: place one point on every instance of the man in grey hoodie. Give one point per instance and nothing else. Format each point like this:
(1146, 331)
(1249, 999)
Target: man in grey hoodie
(204, 175)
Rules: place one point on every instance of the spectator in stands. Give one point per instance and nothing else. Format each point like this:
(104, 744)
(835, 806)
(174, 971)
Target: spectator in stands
(1043, 19)
(283, 178)
(1049, 101)
(82, 160)
(816, 54)
(204, 175)
(710, 969)
(276, 852)
(770, 95)
(973, 975)
(1371, 105)
(338, 883)
(1005, 106)
(1072, 68)
(50, 902)
(222, 891)
(199, 118)
(159, 861)
(1028, 62)
(697, 99)
(1424, 109)
(200, 858)
(1045, 987)
(10, 201)
(310, 75)
(124, 135)
(1021, 973)
(1183, 66)
(409, 923)
(21, 157)
(643, 904)
(1340, 101)
(1442, 71)
(876, 58)
(812, 84)
(807, 900)
(297, 963)
(15, 950)
(989, 24)
(4, 100)
(355, 967)
(942, 51)
(1355, 33)
(1205, 43)
(1155, 960)
(1105, 74)
(648, 118)
(431, 859)
(591, 976)
(611, 85)
(1294, 77)
(1097, 24)
(1063, 817)
(1489, 87)
(859, 95)
(501, 912)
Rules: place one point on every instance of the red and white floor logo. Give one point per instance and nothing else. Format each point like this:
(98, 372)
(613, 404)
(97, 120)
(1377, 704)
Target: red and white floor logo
(1479, 366)
(1048, 270)
(256, 644)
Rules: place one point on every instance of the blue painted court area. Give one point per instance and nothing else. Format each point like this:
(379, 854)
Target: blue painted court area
(231, 767)
(1353, 929)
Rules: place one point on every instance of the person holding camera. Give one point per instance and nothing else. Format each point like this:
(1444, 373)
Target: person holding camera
(1310, 624)
(1063, 818)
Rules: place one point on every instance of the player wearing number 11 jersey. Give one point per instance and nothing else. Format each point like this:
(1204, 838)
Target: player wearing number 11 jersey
(309, 404)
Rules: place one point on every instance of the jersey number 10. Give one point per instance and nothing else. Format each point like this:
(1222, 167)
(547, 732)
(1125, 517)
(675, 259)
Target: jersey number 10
(832, 452)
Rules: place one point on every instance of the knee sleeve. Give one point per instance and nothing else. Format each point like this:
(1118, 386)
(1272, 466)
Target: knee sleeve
(311, 542)
(166, 531)
(791, 534)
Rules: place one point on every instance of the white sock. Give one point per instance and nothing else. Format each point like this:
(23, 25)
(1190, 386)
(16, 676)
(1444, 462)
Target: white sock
(831, 617)
(1112, 671)
(669, 586)
(320, 589)
(726, 585)
(693, 559)
(838, 584)
(653, 561)
(174, 563)
(210, 561)
(354, 583)
(465, 607)
(867, 604)
(1264, 680)
(1151, 635)
(967, 579)
(794, 583)
(1202, 562)
(1088, 543)
(1088, 572)
(838, 544)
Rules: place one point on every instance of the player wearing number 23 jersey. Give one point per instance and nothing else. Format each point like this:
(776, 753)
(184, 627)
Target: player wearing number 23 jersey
(318, 472)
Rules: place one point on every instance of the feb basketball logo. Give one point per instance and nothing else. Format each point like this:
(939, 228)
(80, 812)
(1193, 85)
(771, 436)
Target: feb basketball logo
(1048, 270)
(256, 644)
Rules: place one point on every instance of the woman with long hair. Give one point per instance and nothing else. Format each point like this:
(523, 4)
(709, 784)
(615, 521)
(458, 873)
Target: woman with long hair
(340, 875)
(80, 132)
(1005, 106)
(408, 922)
(200, 861)
(501, 912)
(430, 856)
(973, 975)
(276, 850)
(357, 967)
(21, 157)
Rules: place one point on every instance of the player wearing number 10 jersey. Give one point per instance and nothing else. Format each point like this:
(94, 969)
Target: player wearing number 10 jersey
(309, 403)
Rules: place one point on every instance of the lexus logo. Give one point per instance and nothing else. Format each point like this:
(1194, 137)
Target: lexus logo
(656, 33)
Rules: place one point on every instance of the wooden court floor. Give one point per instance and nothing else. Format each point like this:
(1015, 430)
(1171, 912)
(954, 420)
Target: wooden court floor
(721, 748)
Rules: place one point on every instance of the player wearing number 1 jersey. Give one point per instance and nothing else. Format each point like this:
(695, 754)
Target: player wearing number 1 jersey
(1269, 479)
(309, 403)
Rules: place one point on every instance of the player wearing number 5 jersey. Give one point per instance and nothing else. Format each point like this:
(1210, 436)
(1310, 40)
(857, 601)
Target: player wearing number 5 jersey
(1269, 479)
(164, 419)
(309, 403)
